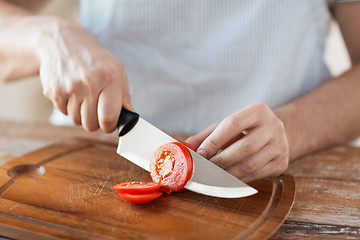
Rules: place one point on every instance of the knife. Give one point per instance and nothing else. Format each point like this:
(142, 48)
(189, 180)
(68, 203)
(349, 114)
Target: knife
(139, 139)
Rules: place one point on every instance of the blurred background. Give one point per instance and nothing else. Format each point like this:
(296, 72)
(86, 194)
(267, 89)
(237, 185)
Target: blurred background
(23, 100)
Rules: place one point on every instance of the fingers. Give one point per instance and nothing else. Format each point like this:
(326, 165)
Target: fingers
(60, 102)
(58, 97)
(52, 87)
(77, 92)
(73, 109)
(250, 144)
(114, 95)
(254, 163)
(241, 149)
(89, 115)
(197, 139)
(228, 129)
(109, 108)
(273, 169)
(92, 101)
(83, 79)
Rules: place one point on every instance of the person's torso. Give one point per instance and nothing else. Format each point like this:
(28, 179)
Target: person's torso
(190, 63)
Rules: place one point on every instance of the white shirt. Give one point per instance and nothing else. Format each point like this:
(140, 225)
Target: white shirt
(191, 63)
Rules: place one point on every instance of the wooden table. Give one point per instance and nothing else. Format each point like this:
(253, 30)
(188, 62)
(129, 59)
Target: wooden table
(327, 204)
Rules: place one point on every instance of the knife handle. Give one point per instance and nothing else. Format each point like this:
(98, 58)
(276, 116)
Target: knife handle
(127, 120)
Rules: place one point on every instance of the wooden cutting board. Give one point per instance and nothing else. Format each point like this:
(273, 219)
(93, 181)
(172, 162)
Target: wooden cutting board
(65, 191)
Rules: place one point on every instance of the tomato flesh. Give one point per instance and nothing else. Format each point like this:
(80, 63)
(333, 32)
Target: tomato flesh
(171, 165)
(140, 198)
(136, 187)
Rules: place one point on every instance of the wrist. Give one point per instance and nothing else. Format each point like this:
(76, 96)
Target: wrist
(287, 114)
(43, 32)
(30, 38)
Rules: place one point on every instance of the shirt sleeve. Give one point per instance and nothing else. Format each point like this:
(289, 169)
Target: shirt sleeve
(342, 1)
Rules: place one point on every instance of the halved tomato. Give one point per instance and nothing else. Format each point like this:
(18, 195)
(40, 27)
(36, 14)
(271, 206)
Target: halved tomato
(171, 165)
(137, 187)
(140, 198)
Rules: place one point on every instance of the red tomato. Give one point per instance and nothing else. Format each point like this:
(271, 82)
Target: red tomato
(137, 187)
(140, 198)
(188, 145)
(171, 165)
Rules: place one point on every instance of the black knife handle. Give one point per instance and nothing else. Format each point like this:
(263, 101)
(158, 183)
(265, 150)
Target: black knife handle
(127, 120)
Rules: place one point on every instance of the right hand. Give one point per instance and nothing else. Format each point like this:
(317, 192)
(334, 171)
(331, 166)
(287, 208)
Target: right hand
(80, 77)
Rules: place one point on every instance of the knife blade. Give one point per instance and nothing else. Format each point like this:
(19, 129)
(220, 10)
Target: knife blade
(138, 140)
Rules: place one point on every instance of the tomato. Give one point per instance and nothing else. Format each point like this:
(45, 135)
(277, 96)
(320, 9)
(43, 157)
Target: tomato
(140, 198)
(137, 187)
(171, 165)
(138, 192)
(188, 145)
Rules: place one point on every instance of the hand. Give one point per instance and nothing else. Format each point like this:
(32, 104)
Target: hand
(80, 77)
(250, 144)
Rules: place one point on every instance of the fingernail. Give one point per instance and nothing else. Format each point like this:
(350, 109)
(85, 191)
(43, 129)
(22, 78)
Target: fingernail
(202, 152)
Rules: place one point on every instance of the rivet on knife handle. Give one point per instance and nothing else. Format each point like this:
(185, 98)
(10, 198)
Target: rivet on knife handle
(127, 120)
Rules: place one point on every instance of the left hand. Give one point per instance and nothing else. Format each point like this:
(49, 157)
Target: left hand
(250, 144)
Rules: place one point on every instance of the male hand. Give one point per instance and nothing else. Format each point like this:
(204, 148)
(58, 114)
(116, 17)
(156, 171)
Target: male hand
(80, 77)
(250, 144)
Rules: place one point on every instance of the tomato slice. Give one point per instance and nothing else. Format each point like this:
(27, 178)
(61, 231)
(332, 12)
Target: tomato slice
(171, 165)
(137, 187)
(188, 145)
(140, 198)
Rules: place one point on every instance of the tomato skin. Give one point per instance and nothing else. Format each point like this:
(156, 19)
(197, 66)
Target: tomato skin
(136, 187)
(140, 198)
(188, 145)
(181, 172)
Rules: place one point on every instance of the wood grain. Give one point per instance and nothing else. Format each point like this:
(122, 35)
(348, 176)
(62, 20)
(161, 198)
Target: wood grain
(327, 204)
(65, 191)
(313, 216)
(299, 230)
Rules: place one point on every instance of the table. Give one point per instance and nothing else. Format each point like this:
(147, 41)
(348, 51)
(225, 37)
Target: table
(327, 203)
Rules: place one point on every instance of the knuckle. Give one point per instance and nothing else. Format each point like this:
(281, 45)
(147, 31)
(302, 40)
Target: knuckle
(278, 125)
(260, 106)
(107, 74)
(108, 121)
(75, 87)
(247, 146)
(249, 166)
(233, 122)
(89, 81)
(219, 161)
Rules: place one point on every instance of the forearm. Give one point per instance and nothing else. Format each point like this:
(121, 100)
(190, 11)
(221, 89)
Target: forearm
(329, 115)
(20, 35)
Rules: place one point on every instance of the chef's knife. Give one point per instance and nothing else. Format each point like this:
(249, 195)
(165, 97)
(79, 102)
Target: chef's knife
(138, 140)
